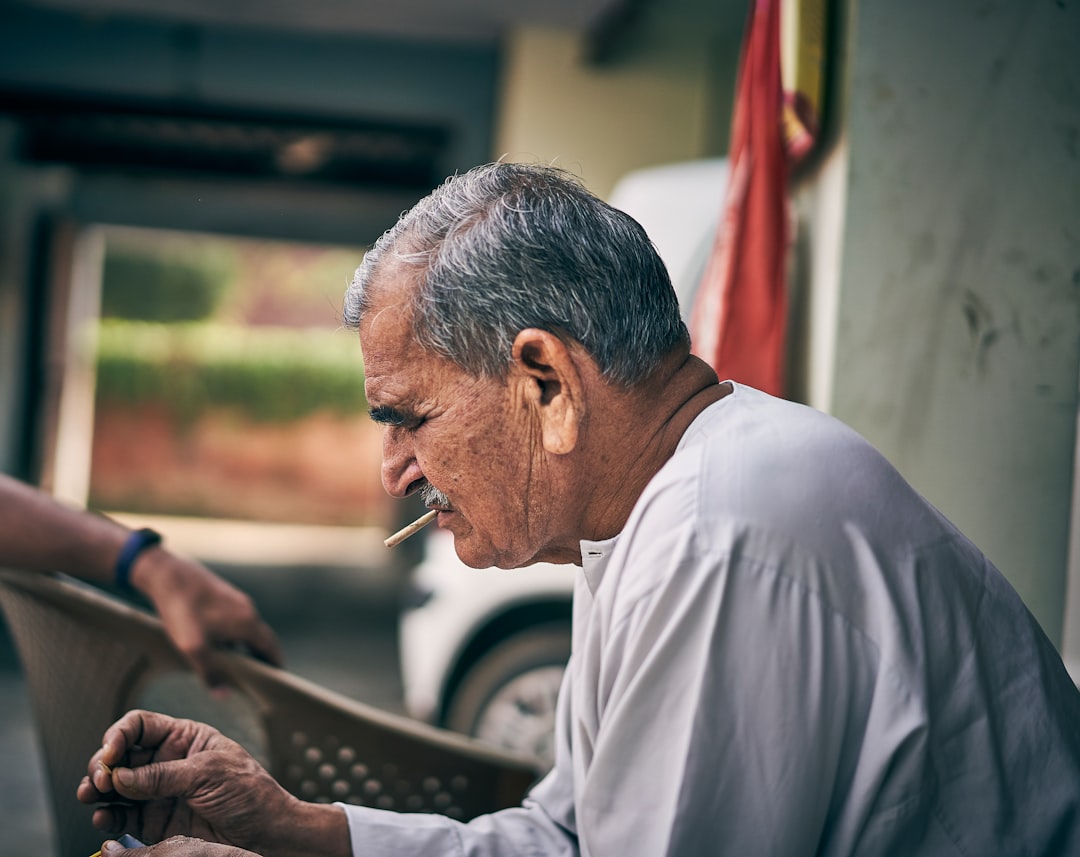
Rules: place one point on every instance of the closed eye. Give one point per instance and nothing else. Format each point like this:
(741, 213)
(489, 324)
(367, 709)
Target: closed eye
(388, 416)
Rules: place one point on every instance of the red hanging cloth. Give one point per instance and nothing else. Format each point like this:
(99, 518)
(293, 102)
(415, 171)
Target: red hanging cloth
(739, 315)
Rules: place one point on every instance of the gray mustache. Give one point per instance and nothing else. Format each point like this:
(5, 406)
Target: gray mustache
(432, 496)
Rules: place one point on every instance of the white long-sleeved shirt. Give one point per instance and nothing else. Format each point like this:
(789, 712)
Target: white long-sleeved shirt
(789, 652)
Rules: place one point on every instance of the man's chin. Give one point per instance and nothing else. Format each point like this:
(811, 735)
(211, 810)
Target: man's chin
(474, 558)
(477, 553)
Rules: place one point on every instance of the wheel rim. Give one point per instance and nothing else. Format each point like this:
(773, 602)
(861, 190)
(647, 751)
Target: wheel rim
(520, 715)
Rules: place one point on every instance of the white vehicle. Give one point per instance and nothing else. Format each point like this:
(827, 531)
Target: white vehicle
(483, 651)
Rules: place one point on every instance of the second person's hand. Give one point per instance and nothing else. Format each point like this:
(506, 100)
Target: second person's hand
(200, 610)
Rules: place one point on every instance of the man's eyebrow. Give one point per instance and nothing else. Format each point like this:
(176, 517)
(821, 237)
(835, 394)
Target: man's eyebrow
(387, 416)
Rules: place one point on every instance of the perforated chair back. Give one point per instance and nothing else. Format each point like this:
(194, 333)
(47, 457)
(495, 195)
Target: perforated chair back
(89, 657)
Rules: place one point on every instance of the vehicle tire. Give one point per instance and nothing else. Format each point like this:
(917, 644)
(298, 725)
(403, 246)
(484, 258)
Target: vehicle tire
(507, 698)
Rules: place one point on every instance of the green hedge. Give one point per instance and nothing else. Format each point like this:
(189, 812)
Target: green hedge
(163, 289)
(268, 374)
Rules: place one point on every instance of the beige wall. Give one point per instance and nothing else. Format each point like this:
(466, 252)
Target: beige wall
(958, 319)
(666, 98)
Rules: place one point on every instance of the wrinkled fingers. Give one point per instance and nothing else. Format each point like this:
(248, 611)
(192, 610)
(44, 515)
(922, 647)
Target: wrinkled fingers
(112, 818)
(136, 729)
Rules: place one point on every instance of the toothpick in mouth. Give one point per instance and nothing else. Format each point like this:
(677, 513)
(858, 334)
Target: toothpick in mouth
(413, 528)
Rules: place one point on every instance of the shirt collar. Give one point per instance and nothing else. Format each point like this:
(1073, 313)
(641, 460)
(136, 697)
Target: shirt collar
(594, 559)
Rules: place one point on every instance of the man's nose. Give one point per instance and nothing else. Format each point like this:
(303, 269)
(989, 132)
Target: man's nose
(399, 466)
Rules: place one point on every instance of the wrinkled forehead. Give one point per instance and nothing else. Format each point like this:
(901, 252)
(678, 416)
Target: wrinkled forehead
(393, 362)
(386, 326)
(399, 372)
(392, 355)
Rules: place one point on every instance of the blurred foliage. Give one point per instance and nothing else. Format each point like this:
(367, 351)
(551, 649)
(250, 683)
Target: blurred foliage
(163, 287)
(289, 286)
(269, 374)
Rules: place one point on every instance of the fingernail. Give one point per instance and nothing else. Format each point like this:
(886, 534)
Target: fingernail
(126, 776)
(112, 845)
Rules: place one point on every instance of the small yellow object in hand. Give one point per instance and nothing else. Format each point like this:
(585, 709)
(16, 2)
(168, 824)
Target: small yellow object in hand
(127, 841)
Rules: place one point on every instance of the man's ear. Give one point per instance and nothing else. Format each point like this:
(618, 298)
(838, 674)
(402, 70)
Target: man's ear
(552, 385)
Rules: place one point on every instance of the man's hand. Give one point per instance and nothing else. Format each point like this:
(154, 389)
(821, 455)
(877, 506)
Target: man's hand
(199, 610)
(160, 776)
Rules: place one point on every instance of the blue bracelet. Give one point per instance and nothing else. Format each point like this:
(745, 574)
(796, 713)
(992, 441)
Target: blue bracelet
(136, 542)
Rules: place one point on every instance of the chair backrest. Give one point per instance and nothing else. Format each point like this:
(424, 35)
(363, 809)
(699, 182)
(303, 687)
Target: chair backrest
(89, 657)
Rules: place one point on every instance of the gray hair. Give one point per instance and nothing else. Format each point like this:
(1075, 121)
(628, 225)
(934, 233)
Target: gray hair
(505, 247)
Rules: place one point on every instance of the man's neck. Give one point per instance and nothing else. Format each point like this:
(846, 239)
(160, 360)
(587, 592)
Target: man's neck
(637, 434)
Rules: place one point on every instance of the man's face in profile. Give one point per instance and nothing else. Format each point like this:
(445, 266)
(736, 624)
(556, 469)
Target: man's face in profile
(464, 441)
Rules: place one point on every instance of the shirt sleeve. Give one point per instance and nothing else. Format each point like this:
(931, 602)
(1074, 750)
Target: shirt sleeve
(726, 692)
(518, 831)
(526, 831)
(543, 826)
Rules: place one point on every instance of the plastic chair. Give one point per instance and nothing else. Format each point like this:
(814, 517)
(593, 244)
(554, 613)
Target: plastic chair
(89, 657)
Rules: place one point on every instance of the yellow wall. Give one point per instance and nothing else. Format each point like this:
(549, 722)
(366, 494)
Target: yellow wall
(666, 98)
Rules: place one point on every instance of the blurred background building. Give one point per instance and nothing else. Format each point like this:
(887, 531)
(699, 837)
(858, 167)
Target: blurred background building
(203, 179)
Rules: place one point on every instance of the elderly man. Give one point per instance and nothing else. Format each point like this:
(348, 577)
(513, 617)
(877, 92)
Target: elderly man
(778, 646)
